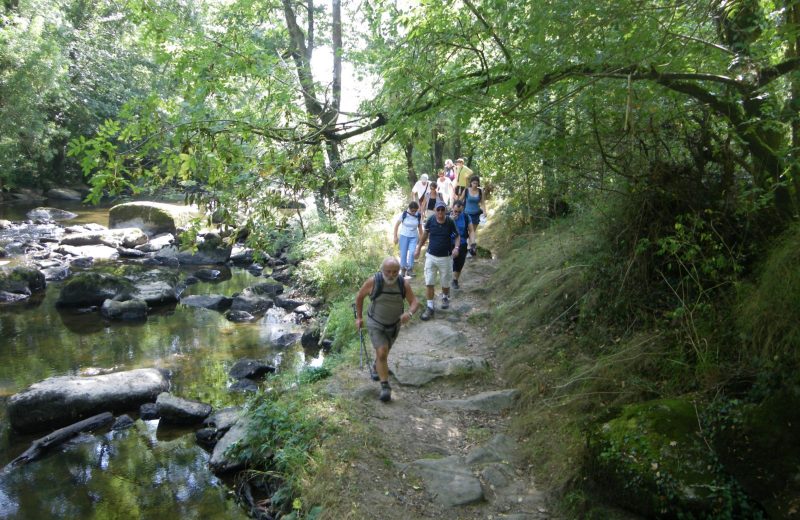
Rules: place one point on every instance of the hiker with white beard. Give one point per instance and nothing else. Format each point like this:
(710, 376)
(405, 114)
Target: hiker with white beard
(388, 292)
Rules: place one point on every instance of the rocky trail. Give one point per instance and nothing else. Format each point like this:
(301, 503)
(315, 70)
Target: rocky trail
(441, 448)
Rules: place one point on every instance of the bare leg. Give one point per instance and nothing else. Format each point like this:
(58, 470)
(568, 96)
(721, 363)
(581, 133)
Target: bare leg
(382, 362)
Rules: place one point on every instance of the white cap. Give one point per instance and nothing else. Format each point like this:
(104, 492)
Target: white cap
(423, 177)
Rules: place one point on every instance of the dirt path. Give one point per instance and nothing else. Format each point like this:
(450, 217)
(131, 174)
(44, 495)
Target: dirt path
(389, 478)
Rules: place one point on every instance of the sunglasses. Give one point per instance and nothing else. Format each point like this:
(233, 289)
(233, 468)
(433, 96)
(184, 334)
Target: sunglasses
(439, 209)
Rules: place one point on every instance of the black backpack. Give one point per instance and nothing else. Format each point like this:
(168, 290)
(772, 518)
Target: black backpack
(377, 287)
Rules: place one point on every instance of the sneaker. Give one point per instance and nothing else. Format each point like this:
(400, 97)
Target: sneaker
(410, 272)
(426, 314)
(445, 302)
(454, 285)
(374, 373)
(473, 250)
(386, 392)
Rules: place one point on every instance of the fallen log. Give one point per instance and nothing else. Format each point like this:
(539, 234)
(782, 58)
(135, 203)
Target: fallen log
(40, 446)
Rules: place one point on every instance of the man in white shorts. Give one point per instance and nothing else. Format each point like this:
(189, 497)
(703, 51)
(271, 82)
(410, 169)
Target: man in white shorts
(439, 257)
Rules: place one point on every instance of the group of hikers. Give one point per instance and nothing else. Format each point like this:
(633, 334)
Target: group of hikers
(450, 238)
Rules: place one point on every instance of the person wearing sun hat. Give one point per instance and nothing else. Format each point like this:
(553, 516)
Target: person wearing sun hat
(420, 189)
(439, 256)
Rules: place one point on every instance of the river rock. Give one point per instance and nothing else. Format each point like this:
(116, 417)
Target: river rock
(211, 249)
(251, 303)
(219, 461)
(223, 419)
(123, 422)
(23, 280)
(239, 316)
(157, 243)
(56, 274)
(63, 194)
(59, 401)
(241, 255)
(152, 217)
(176, 410)
(156, 287)
(123, 237)
(97, 252)
(244, 385)
(251, 368)
(215, 302)
(208, 275)
(270, 289)
(92, 288)
(130, 310)
(50, 214)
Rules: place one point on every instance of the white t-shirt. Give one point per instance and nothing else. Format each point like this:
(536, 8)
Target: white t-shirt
(408, 225)
(420, 188)
(444, 187)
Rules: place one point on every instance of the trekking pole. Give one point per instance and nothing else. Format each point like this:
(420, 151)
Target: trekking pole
(364, 354)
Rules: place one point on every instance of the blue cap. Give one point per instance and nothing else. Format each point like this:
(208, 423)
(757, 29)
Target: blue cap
(440, 204)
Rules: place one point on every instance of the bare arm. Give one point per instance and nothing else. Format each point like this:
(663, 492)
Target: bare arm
(413, 303)
(396, 227)
(421, 243)
(365, 290)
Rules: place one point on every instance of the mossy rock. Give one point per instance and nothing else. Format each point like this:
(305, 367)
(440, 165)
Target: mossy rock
(760, 445)
(151, 217)
(20, 278)
(653, 459)
(92, 289)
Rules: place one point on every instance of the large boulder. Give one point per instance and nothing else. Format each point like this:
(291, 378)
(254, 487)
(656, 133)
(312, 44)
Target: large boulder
(92, 288)
(59, 401)
(23, 280)
(152, 217)
(216, 302)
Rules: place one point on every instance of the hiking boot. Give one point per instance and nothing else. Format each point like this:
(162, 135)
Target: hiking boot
(473, 250)
(386, 392)
(426, 314)
(454, 285)
(410, 272)
(445, 301)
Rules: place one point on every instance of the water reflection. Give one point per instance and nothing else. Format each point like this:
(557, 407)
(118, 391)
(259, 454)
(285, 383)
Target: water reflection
(128, 474)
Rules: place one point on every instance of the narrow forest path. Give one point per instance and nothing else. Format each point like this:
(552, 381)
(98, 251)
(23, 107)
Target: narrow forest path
(441, 448)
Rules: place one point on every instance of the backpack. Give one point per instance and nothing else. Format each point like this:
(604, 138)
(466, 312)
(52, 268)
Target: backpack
(377, 287)
(418, 215)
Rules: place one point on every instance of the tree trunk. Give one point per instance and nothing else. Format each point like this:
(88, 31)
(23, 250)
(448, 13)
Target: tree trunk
(437, 150)
(793, 51)
(40, 446)
(412, 174)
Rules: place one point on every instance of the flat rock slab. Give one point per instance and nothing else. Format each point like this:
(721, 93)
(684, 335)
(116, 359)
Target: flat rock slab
(500, 448)
(218, 462)
(59, 401)
(449, 480)
(418, 370)
(176, 410)
(494, 401)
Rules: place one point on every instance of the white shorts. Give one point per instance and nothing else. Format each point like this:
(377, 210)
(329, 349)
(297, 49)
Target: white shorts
(442, 264)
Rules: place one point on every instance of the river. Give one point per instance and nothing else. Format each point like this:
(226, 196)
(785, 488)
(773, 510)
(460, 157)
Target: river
(146, 471)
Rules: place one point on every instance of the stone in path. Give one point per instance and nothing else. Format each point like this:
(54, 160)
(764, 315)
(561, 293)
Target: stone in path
(418, 370)
(492, 402)
(449, 480)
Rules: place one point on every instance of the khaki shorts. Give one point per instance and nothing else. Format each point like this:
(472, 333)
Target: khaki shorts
(381, 335)
(442, 264)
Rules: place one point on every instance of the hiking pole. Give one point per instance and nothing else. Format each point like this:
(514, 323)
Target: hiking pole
(364, 354)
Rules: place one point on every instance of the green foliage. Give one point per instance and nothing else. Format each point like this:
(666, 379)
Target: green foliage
(768, 308)
(283, 431)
